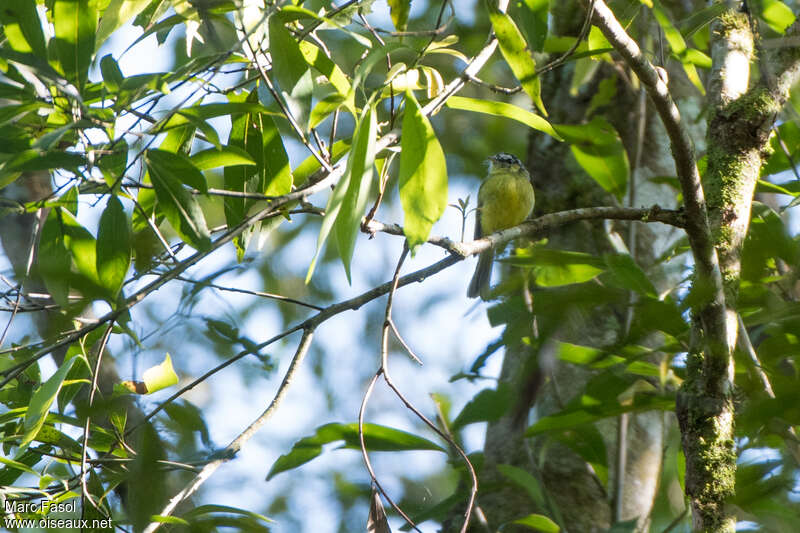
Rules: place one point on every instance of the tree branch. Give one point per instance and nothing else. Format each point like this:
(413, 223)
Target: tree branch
(709, 278)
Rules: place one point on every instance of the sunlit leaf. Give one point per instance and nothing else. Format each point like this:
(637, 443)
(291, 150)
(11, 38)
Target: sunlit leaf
(538, 522)
(22, 27)
(399, 10)
(503, 109)
(376, 437)
(75, 23)
(291, 71)
(423, 174)
(517, 54)
(115, 15)
(226, 156)
(360, 186)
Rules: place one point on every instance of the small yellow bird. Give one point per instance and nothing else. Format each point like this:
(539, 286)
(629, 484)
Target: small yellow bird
(505, 199)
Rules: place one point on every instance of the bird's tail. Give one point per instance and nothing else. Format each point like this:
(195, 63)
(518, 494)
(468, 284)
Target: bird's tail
(479, 286)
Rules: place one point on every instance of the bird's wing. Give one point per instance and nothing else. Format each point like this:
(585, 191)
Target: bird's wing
(478, 231)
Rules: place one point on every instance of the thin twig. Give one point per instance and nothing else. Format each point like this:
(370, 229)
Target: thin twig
(252, 293)
(230, 451)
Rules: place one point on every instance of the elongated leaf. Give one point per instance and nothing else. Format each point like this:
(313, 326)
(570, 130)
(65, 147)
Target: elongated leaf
(226, 156)
(423, 174)
(75, 23)
(179, 166)
(525, 480)
(112, 75)
(201, 510)
(517, 55)
(113, 247)
(22, 27)
(360, 185)
(206, 111)
(115, 15)
(533, 21)
(554, 268)
(399, 10)
(502, 109)
(317, 59)
(699, 19)
(376, 438)
(538, 522)
(291, 71)
(339, 193)
(625, 273)
(176, 203)
(83, 248)
(487, 406)
(41, 401)
(54, 258)
(598, 149)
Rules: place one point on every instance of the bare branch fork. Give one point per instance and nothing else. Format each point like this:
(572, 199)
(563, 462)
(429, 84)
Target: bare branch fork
(383, 370)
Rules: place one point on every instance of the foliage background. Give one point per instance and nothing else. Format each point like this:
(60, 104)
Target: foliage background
(581, 300)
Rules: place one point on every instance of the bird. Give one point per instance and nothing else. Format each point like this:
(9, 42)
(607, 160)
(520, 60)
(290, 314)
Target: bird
(505, 199)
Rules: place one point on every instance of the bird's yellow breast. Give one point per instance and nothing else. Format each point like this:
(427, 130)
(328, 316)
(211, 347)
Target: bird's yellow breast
(506, 199)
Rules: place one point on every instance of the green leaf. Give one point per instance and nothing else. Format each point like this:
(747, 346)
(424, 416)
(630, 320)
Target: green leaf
(22, 27)
(517, 55)
(487, 406)
(291, 71)
(75, 23)
(523, 479)
(54, 258)
(311, 165)
(258, 135)
(179, 166)
(325, 107)
(115, 15)
(376, 438)
(225, 156)
(700, 18)
(502, 109)
(322, 63)
(33, 160)
(553, 268)
(41, 401)
(423, 174)
(201, 510)
(538, 522)
(598, 149)
(160, 376)
(625, 273)
(533, 21)
(83, 248)
(399, 9)
(777, 15)
(169, 172)
(360, 186)
(113, 247)
(112, 75)
(346, 195)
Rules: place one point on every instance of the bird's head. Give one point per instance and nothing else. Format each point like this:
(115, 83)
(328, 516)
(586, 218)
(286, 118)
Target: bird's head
(505, 160)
